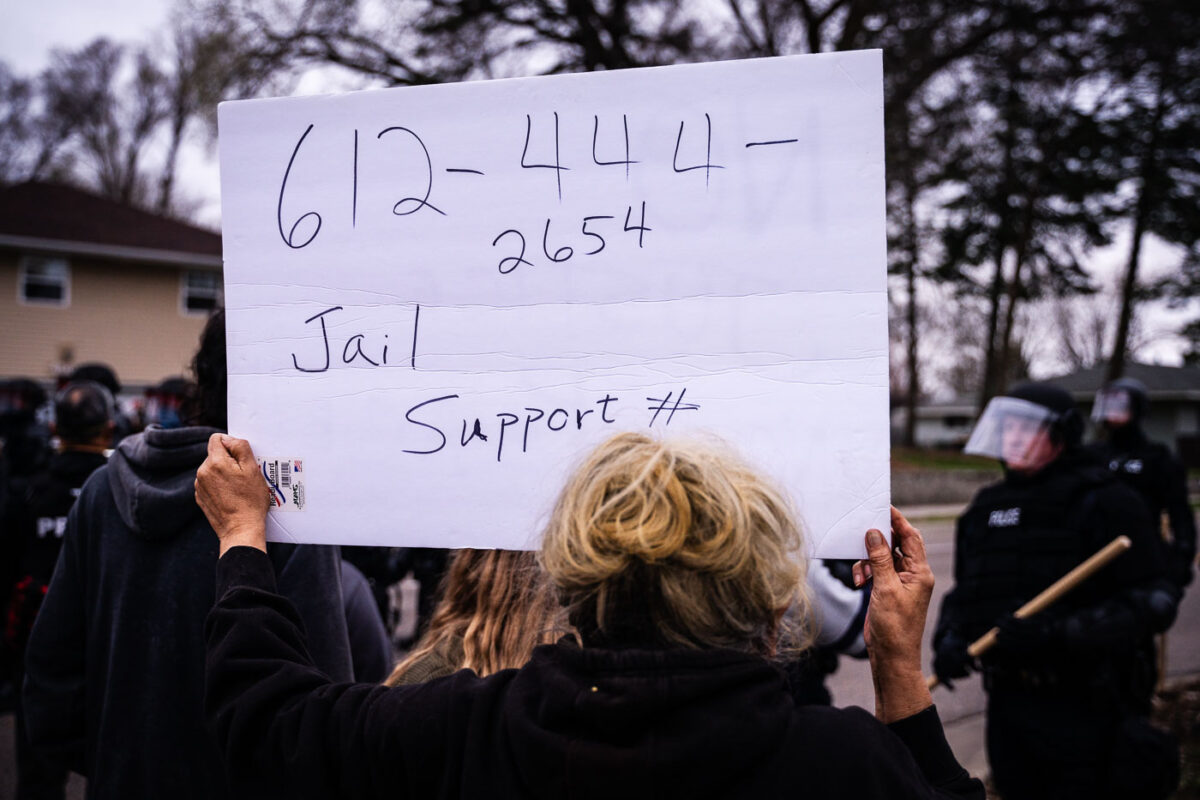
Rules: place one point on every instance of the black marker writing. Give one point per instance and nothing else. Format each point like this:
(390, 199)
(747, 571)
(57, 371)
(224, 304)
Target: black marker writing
(641, 226)
(529, 418)
(504, 423)
(324, 338)
(481, 430)
(557, 165)
(418, 203)
(776, 141)
(476, 432)
(586, 232)
(596, 133)
(356, 340)
(416, 320)
(408, 416)
(289, 237)
(512, 261)
(603, 403)
(707, 166)
(662, 405)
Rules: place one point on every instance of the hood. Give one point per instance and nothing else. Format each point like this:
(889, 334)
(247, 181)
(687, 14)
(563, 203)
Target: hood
(676, 723)
(152, 475)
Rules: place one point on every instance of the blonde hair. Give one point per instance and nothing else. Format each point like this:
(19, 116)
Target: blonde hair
(498, 603)
(677, 544)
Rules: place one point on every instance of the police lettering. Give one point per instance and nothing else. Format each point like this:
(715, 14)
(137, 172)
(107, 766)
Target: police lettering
(55, 525)
(1007, 518)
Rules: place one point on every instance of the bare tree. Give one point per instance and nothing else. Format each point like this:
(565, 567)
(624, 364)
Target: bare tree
(108, 122)
(1155, 53)
(205, 62)
(16, 140)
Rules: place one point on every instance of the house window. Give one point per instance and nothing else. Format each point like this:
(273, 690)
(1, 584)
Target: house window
(201, 291)
(44, 281)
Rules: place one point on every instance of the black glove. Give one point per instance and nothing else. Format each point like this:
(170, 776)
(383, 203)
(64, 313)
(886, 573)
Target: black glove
(1181, 567)
(950, 660)
(1030, 635)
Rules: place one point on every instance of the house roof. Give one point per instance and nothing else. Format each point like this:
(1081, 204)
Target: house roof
(49, 217)
(1161, 382)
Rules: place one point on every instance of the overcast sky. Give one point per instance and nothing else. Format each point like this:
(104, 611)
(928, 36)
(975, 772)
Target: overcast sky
(32, 27)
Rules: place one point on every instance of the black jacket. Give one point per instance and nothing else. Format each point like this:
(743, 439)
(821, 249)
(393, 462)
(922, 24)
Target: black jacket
(115, 664)
(51, 495)
(573, 723)
(40, 529)
(1161, 481)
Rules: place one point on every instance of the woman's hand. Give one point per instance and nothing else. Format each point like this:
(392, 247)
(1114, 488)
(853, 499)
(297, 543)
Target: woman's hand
(902, 584)
(232, 493)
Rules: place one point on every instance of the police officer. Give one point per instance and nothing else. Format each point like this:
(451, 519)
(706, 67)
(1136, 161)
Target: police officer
(1148, 467)
(1062, 685)
(84, 426)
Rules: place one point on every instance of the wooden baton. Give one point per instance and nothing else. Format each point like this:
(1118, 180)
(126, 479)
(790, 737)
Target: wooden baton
(1051, 594)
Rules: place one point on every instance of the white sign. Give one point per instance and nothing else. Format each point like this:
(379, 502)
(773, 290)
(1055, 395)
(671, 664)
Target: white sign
(440, 298)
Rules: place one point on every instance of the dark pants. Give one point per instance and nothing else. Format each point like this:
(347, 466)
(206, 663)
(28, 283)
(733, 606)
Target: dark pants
(1049, 744)
(37, 777)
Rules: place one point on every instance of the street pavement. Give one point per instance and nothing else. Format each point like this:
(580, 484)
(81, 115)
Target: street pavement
(961, 710)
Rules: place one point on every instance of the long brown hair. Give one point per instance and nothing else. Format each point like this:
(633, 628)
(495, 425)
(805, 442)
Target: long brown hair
(499, 603)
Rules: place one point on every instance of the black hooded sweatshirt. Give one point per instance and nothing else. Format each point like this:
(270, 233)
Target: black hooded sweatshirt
(115, 664)
(574, 722)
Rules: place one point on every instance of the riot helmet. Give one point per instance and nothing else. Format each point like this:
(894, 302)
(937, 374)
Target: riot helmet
(1028, 427)
(1121, 402)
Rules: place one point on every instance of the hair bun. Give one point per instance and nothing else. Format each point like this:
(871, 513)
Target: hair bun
(687, 523)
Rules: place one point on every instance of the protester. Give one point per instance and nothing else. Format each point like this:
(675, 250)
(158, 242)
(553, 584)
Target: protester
(165, 402)
(24, 451)
(495, 607)
(104, 375)
(370, 645)
(114, 668)
(83, 423)
(1149, 468)
(1065, 716)
(675, 566)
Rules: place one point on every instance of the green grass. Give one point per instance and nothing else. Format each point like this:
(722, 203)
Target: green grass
(907, 458)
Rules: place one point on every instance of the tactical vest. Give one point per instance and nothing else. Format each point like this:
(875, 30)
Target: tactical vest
(1017, 538)
(1145, 470)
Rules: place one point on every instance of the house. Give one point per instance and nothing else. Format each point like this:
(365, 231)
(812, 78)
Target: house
(942, 424)
(90, 279)
(1174, 417)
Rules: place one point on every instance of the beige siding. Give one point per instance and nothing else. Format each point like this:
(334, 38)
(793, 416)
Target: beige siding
(126, 315)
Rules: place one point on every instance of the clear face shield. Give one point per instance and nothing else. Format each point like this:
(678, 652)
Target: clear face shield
(1112, 406)
(1016, 432)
